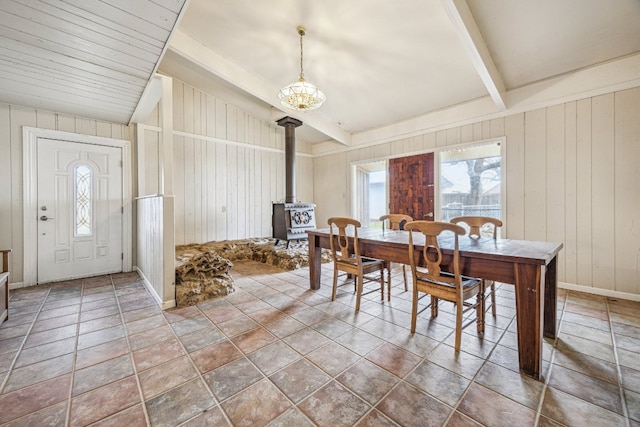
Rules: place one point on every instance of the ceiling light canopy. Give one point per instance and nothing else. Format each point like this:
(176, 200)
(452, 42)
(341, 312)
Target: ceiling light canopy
(301, 95)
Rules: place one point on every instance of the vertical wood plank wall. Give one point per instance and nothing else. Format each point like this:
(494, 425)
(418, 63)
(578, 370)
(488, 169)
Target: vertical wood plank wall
(12, 119)
(229, 168)
(572, 176)
(151, 247)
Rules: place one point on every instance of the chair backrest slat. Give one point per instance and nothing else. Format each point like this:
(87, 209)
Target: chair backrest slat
(344, 249)
(395, 220)
(431, 254)
(475, 223)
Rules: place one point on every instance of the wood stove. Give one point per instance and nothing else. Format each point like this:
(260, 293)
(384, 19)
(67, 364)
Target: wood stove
(291, 219)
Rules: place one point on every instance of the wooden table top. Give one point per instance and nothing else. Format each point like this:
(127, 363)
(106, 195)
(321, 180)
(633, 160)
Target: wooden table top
(520, 251)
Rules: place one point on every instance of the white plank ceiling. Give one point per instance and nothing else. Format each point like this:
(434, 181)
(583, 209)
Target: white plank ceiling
(89, 58)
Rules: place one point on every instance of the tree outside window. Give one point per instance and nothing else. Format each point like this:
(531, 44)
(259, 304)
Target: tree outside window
(470, 182)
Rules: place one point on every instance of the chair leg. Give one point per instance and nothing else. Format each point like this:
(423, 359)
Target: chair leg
(434, 307)
(459, 309)
(387, 265)
(358, 291)
(493, 298)
(335, 284)
(388, 284)
(414, 311)
(480, 309)
(404, 273)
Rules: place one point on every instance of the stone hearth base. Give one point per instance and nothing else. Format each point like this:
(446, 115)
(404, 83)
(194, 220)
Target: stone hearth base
(202, 270)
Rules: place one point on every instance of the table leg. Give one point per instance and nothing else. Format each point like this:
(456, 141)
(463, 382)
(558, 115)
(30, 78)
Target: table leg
(315, 255)
(550, 299)
(529, 316)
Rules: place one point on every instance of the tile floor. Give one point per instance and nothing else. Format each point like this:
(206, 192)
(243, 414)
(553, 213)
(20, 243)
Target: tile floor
(99, 351)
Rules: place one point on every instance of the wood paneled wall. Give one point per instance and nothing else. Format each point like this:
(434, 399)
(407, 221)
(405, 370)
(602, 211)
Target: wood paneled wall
(12, 119)
(228, 169)
(572, 176)
(155, 246)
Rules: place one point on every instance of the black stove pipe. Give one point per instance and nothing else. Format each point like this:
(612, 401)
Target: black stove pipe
(290, 124)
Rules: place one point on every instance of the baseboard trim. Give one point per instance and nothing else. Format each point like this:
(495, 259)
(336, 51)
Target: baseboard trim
(17, 285)
(164, 305)
(599, 291)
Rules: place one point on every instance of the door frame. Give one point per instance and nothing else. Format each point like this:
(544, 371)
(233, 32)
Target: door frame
(356, 202)
(30, 136)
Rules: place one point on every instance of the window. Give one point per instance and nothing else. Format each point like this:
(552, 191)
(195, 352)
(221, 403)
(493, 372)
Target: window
(471, 182)
(371, 193)
(83, 200)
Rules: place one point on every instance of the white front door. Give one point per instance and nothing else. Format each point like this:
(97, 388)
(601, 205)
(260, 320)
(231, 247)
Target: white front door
(79, 210)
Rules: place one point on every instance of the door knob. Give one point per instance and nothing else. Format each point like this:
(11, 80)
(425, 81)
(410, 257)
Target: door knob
(429, 215)
(45, 218)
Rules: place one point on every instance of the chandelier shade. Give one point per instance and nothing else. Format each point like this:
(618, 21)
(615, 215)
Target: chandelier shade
(301, 95)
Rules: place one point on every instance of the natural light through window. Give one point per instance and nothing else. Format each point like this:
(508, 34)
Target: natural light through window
(471, 182)
(371, 191)
(83, 201)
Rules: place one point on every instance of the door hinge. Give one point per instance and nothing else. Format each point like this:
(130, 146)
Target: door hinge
(121, 209)
(122, 255)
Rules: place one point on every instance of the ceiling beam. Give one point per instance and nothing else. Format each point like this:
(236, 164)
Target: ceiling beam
(601, 79)
(466, 27)
(194, 51)
(148, 101)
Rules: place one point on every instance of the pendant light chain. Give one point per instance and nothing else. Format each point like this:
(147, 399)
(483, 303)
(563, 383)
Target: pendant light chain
(301, 32)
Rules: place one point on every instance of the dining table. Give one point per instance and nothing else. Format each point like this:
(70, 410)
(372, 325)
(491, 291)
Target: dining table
(531, 266)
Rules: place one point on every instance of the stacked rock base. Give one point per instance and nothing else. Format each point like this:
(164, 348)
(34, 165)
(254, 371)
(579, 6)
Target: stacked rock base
(202, 270)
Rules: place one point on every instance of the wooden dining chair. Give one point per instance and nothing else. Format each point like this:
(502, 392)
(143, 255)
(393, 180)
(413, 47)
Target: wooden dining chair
(347, 258)
(430, 276)
(477, 224)
(395, 223)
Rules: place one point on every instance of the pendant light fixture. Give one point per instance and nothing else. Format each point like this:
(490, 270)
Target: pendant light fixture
(301, 95)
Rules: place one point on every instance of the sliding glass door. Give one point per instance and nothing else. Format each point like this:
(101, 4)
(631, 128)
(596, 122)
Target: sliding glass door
(371, 192)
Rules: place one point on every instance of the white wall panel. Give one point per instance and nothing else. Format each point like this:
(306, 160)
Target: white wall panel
(179, 187)
(583, 189)
(555, 191)
(211, 193)
(229, 168)
(466, 133)
(603, 192)
(534, 176)
(220, 168)
(19, 117)
(189, 190)
(571, 176)
(149, 183)
(514, 185)
(627, 195)
(496, 127)
(155, 248)
(570, 193)
(47, 120)
(6, 182)
(232, 188)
